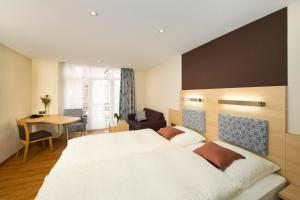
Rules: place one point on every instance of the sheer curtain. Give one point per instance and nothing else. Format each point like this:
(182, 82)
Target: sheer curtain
(94, 89)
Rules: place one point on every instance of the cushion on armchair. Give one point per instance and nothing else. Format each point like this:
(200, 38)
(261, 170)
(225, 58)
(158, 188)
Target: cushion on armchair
(140, 116)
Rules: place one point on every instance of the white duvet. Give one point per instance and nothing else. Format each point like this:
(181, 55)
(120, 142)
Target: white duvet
(149, 169)
(91, 148)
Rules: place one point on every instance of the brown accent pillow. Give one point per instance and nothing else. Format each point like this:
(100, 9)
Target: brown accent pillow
(169, 132)
(218, 155)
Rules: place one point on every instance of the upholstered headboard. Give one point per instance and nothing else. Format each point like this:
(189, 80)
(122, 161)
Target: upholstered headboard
(194, 119)
(246, 132)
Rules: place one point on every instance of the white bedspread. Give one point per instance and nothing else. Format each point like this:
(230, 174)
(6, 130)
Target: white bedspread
(84, 150)
(150, 169)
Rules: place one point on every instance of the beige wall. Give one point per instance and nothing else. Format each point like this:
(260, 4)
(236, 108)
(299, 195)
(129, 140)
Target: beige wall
(44, 81)
(162, 85)
(140, 90)
(15, 97)
(294, 67)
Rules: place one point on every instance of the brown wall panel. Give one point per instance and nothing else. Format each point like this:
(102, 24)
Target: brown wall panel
(253, 55)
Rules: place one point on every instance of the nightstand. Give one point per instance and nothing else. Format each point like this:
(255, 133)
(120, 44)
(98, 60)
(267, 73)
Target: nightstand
(291, 192)
(118, 127)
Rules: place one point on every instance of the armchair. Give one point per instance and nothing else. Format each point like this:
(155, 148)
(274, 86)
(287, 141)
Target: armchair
(155, 120)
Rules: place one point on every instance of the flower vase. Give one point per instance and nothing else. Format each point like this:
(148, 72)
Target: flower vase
(46, 109)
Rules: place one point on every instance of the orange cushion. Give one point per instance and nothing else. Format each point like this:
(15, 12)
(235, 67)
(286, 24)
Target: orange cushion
(218, 155)
(169, 132)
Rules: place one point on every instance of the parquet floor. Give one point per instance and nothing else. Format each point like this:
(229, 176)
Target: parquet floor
(21, 181)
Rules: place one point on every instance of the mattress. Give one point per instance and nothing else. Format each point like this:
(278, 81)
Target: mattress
(265, 189)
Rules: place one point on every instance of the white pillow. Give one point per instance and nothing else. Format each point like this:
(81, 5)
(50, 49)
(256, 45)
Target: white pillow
(248, 171)
(187, 138)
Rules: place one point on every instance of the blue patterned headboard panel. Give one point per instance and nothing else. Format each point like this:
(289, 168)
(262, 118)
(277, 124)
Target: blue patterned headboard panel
(249, 133)
(194, 119)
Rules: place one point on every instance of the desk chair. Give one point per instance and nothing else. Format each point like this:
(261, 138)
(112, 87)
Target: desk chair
(26, 137)
(80, 125)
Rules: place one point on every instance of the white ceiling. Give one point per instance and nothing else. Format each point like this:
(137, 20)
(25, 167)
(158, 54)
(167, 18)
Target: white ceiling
(126, 32)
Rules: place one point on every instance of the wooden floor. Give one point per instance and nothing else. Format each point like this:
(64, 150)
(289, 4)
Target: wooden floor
(21, 181)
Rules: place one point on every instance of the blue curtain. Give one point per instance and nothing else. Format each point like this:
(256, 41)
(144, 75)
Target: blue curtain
(127, 93)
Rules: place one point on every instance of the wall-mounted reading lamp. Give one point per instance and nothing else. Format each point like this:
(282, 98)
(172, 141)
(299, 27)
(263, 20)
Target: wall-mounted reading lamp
(243, 103)
(193, 99)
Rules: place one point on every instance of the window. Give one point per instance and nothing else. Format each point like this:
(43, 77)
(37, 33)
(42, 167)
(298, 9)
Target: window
(95, 90)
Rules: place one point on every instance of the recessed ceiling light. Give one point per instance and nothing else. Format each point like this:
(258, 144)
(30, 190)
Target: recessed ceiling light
(93, 13)
(161, 30)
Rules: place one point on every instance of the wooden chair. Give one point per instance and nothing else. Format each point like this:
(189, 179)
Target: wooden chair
(26, 137)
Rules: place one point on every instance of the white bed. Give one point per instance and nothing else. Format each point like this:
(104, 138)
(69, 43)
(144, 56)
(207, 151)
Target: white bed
(142, 165)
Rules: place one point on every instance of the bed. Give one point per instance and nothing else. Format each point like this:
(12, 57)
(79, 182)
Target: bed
(142, 164)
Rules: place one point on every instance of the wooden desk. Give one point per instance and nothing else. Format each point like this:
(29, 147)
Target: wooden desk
(118, 127)
(55, 120)
(291, 192)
